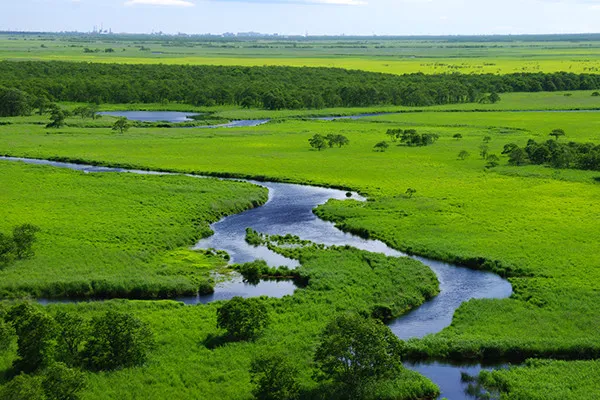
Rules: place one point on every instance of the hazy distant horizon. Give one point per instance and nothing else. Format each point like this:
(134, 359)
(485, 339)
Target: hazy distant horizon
(284, 35)
(298, 17)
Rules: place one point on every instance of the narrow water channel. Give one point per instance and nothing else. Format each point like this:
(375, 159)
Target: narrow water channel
(289, 210)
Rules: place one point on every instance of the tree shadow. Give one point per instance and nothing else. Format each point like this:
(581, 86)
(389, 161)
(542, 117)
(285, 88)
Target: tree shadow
(214, 341)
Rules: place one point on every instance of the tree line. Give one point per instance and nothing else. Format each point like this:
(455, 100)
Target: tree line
(585, 156)
(269, 87)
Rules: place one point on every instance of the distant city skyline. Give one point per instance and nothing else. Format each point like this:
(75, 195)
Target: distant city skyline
(298, 17)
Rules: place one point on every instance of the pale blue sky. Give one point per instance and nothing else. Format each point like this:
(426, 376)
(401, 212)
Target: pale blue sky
(330, 17)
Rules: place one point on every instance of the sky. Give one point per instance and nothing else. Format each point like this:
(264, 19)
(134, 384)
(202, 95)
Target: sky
(298, 17)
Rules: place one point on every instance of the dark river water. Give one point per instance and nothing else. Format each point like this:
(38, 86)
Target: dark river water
(289, 210)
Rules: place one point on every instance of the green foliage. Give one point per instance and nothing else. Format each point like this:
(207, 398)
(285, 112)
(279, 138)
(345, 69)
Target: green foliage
(584, 156)
(117, 340)
(337, 140)
(557, 133)
(457, 136)
(19, 246)
(6, 334)
(483, 150)
(14, 102)
(8, 250)
(274, 377)
(73, 332)
(256, 270)
(317, 142)
(23, 387)
(463, 155)
(63, 383)
(410, 137)
(121, 124)
(57, 118)
(243, 319)
(36, 337)
(492, 161)
(24, 237)
(381, 146)
(355, 352)
(87, 111)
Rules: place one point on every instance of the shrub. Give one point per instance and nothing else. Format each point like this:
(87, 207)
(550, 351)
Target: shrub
(243, 318)
(117, 340)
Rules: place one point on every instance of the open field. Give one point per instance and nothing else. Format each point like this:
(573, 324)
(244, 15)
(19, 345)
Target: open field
(114, 235)
(389, 55)
(534, 224)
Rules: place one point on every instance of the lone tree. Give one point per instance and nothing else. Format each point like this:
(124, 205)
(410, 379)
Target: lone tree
(317, 142)
(117, 340)
(463, 155)
(381, 146)
(274, 378)
(18, 246)
(457, 136)
(557, 133)
(410, 192)
(355, 353)
(121, 125)
(57, 118)
(243, 319)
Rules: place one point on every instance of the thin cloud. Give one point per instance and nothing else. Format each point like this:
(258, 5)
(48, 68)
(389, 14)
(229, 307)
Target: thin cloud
(310, 2)
(169, 3)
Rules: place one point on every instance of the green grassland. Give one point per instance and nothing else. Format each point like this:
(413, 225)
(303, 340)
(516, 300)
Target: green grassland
(397, 56)
(186, 366)
(535, 224)
(114, 235)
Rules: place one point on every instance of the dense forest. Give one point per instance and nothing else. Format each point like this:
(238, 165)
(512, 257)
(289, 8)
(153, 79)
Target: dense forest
(267, 87)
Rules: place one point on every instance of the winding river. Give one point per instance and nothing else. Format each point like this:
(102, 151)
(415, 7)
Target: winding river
(289, 210)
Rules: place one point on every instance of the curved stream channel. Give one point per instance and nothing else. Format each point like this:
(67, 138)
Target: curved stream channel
(289, 210)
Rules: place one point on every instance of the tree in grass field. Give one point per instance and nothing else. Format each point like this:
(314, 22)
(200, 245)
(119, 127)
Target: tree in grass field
(557, 133)
(317, 142)
(356, 353)
(57, 118)
(121, 125)
(381, 146)
(243, 319)
(463, 155)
